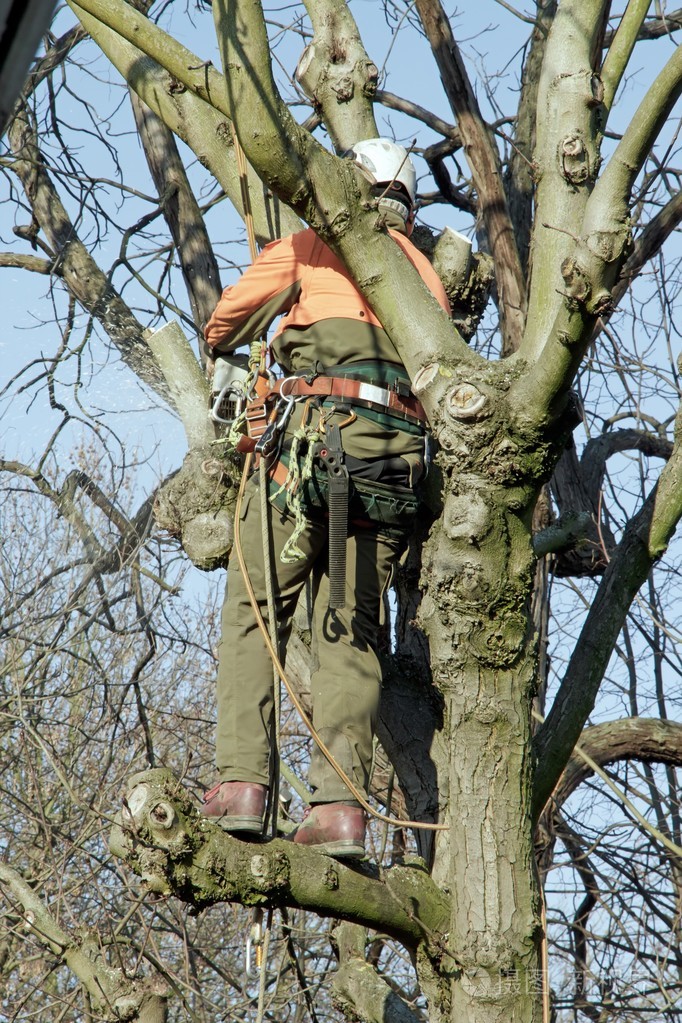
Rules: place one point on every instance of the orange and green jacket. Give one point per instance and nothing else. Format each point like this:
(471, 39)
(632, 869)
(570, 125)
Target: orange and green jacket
(327, 322)
(301, 277)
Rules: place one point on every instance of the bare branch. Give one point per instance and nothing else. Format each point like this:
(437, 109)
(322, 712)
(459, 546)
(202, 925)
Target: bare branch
(486, 170)
(113, 993)
(181, 212)
(80, 273)
(153, 64)
(645, 740)
(33, 263)
(645, 539)
(663, 24)
(649, 243)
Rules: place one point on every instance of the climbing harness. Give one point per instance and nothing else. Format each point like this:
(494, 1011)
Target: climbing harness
(395, 400)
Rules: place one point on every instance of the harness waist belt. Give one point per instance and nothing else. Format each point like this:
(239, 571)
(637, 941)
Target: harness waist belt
(381, 399)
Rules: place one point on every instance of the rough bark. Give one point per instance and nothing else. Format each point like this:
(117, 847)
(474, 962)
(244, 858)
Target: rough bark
(165, 840)
(478, 571)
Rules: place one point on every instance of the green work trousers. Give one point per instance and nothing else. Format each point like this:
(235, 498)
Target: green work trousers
(346, 676)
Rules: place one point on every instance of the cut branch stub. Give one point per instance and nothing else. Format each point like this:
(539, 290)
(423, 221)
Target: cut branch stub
(466, 402)
(575, 159)
(578, 287)
(196, 505)
(162, 836)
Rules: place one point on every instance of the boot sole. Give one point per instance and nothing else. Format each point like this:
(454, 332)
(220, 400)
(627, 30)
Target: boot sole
(254, 825)
(341, 850)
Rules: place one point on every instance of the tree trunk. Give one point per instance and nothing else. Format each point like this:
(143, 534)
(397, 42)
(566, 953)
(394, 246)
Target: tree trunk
(483, 661)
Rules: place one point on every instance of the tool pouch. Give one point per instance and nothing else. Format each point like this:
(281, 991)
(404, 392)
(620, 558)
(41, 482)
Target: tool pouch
(387, 506)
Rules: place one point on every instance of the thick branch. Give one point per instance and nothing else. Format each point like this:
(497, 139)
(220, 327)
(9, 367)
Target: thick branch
(181, 212)
(176, 851)
(33, 263)
(199, 76)
(337, 74)
(591, 271)
(608, 202)
(566, 163)
(621, 47)
(185, 381)
(484, 161)
(519, 181)
(644, 541)
(646, 740)
(79, 271)
(358, 986)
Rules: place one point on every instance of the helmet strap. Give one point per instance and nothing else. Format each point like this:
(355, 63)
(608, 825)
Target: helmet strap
(396, 205)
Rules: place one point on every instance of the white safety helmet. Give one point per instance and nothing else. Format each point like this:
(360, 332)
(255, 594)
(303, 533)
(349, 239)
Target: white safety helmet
(384, 161)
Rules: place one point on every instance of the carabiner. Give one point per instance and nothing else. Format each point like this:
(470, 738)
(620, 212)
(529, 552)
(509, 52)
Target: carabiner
(227, 392)
(254, 944)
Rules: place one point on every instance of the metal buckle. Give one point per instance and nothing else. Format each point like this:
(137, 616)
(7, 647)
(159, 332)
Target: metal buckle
(370, 392)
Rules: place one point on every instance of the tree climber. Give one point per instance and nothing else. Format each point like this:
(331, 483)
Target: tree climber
(350, 457)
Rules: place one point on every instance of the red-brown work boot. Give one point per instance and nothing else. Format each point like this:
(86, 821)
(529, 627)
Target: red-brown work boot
(333, 828)
(237, 806)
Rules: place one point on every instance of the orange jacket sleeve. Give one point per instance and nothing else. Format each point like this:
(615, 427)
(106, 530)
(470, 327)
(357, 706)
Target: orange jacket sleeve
(246, 309)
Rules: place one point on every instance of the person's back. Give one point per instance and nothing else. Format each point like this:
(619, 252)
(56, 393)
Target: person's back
(350, 395)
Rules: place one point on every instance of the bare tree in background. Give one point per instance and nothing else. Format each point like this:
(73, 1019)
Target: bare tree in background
(530, 702)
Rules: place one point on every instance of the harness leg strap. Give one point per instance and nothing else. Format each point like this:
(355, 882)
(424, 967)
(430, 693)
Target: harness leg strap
(332, 457)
